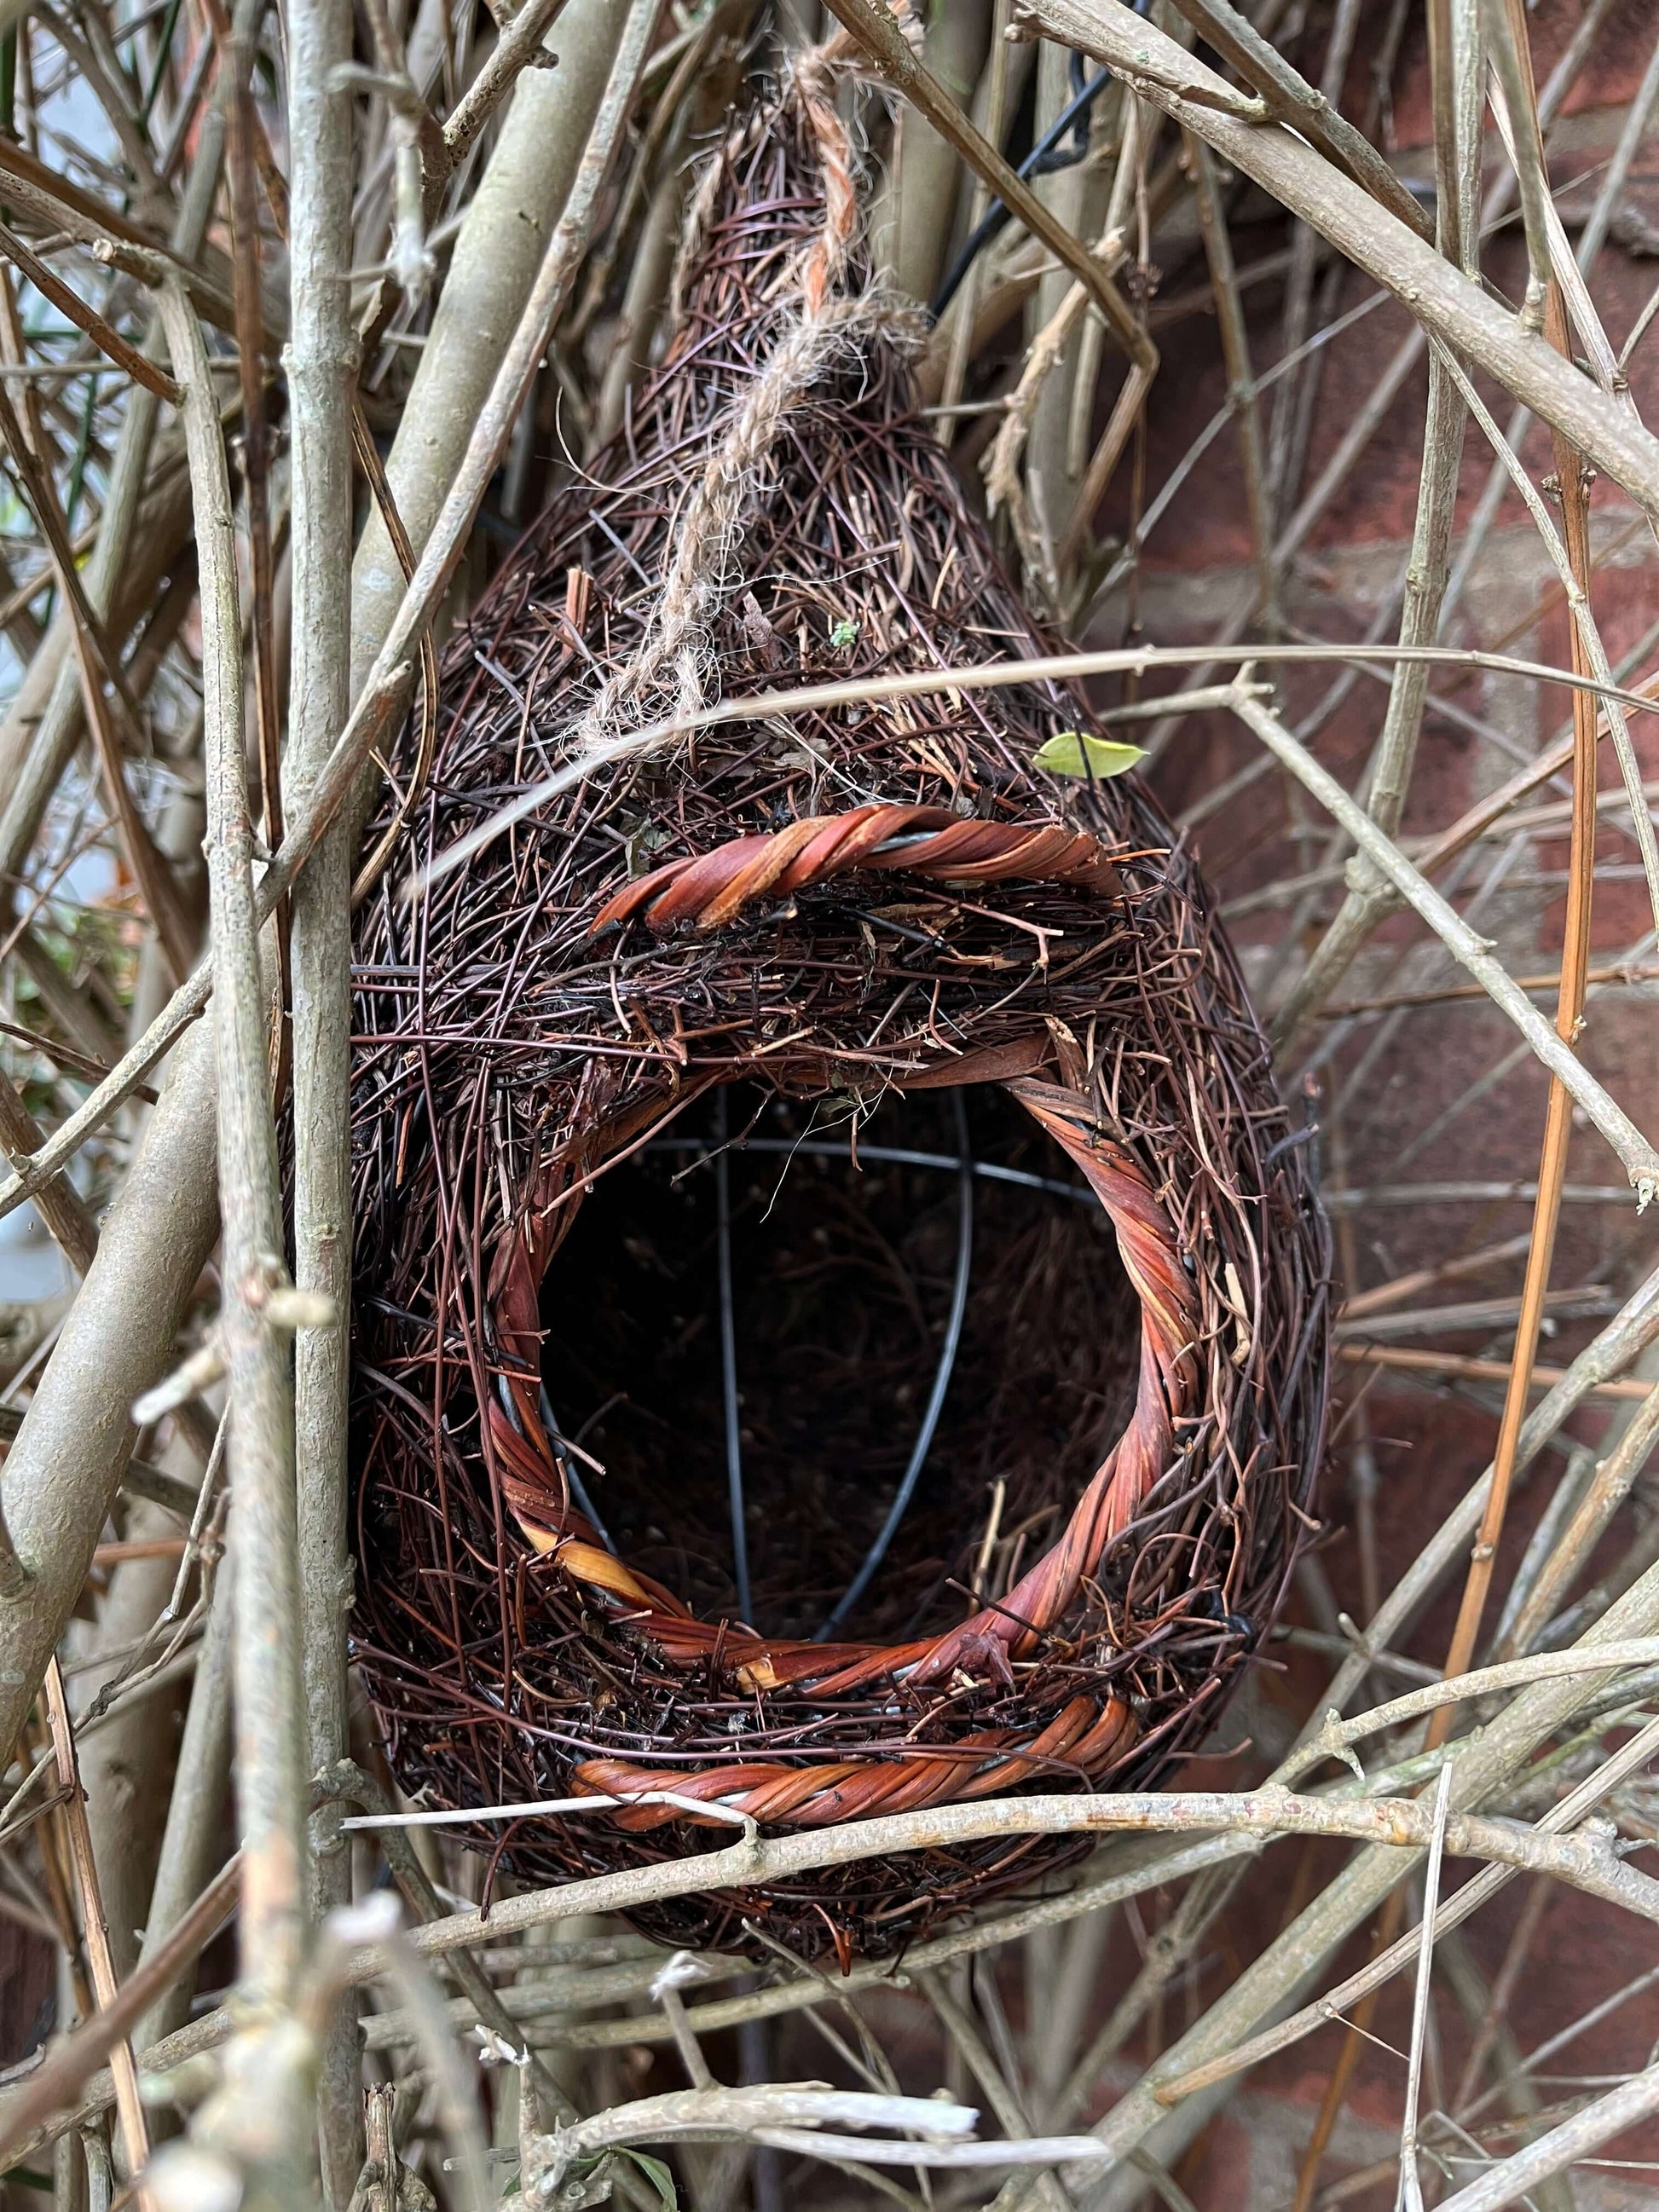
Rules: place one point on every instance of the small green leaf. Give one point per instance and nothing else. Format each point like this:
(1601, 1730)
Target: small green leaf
(660, 2175)
(844, 634)
(1068, 752)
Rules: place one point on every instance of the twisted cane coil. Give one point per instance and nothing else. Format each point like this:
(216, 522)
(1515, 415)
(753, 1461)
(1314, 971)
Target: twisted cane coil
(710, 889)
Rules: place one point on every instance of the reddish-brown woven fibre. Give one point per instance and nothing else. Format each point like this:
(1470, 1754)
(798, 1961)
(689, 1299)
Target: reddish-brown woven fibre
(873, 902)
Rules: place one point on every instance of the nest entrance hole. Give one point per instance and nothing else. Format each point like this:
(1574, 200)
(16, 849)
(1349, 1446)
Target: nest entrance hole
(843, 1281)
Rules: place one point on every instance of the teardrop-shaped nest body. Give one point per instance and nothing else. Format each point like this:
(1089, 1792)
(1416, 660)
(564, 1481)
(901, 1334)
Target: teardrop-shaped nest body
(825, 1108)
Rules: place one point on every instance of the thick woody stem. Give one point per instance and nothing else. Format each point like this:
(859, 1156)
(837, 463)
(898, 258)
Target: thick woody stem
(270, 1733)
(321, 365)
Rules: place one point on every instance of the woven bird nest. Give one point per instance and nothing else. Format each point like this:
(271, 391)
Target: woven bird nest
(841, 1308)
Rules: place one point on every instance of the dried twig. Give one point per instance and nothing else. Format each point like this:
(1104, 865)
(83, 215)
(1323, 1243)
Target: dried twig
(134, 2132)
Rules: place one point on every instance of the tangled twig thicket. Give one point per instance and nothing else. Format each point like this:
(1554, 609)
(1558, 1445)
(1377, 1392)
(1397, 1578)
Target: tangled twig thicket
(781, 1151)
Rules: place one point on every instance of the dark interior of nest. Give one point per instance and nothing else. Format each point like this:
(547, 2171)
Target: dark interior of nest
(845, 1279)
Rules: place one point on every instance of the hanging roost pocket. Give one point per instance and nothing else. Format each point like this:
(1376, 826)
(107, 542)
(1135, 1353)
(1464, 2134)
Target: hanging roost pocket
(841, 1308)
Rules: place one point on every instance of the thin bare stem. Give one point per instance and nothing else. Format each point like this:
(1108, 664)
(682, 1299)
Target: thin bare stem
(1599, 2123)
(1449, 304)
(879, 35)
(103, 335)
(1635, 1154)
(54, 2086)
(1507, 42)
(1410, 2196)
(1241, 389)
(1178, 2084)
(1569, 1016)
(1609, 1487)
(135, 2132)
(978, 675)
(518, 47)
(58, 1203)
(1455, 64)
(1289, 97)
